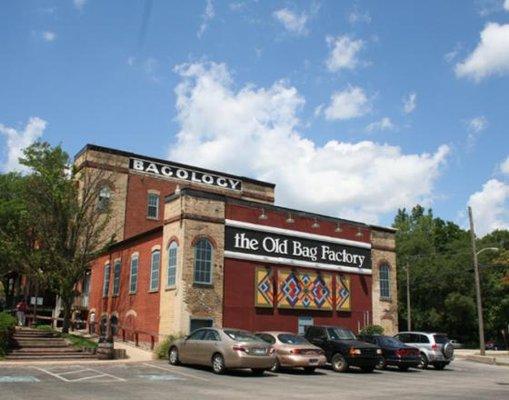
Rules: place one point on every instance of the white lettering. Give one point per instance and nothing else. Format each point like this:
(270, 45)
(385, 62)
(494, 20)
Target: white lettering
(138, 165)
(222, 182)
(277, 245)
(194, 178)
(243, 242)
(166, 171)
(182, 174)
(207, 179)
(152, 168)
(233, 183)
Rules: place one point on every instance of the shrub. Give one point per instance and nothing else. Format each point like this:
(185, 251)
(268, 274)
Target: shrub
(372, 330)
(161, 350)
(7, 324)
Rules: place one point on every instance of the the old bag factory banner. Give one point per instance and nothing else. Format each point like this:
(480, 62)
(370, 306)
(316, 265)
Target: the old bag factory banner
(259, 243)
(172, 171)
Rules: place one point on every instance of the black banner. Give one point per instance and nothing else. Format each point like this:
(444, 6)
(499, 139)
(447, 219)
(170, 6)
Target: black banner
(172, 171)
(254, 242)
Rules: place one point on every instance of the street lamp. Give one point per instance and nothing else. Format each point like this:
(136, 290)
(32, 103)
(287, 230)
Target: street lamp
(475, 253)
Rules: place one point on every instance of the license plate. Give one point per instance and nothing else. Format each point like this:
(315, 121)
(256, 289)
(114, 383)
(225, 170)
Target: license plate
(259, 352)
(313, 361)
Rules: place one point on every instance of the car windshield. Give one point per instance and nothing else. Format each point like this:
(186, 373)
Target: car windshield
(441, 339)
(340, 334)
(291, 339)
(390, 342)
(242, 336)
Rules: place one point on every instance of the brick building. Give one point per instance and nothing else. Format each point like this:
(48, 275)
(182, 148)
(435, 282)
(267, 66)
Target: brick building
(195, 247)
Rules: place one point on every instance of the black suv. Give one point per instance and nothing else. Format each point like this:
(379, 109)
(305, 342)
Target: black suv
(342, 348)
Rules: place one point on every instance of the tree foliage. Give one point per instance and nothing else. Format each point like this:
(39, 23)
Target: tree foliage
(442, 292)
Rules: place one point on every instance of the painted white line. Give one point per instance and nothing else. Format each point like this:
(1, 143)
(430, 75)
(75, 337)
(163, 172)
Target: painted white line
(18, 378)
(52, 374)
(88, 377)
(174, 370)
(99, 375)
(111, 376)
(74, 372)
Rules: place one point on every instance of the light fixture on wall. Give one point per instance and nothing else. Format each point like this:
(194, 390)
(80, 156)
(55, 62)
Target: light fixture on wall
(315, 225)
(359, 233)
(338, 228)
(290, 219)
(177, 189)
(263, 216)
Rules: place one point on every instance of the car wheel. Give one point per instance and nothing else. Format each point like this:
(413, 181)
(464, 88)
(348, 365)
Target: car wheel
(381, 363)
(424, 361)
(276, 366)
(309, 370)
(173, 356)
(218, 366)
(258, 371)
(339, 363)
(403, 368)
(439, 365)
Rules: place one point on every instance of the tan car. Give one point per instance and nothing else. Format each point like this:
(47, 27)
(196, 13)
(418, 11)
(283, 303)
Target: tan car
(293, 351)
(223, 349)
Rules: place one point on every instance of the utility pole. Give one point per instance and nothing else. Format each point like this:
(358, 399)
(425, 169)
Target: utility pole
(482, 344)
(408, 309)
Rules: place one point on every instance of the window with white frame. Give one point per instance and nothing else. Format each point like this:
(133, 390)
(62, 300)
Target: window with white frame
(133, 275)
(106, 281)
(172, 264)
(155, 263)
(203, 261)
(153, 206)
(116, 277)
(103, 198)
(385, 284)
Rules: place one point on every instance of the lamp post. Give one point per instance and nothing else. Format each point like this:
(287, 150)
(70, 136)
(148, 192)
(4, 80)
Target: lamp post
(408, 310)
(475, 255)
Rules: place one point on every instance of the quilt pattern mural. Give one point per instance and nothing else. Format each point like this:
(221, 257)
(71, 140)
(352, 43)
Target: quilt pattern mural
(264, 287)
(343, 293)
(304, 290)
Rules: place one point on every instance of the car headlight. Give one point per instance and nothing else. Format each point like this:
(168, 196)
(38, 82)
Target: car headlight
(355, 352)
(378, 351)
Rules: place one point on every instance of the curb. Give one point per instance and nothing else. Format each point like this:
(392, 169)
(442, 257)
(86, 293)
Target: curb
(484, 360)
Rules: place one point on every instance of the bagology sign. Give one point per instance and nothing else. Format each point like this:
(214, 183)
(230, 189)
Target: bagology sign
(173, 171)
(240, 241)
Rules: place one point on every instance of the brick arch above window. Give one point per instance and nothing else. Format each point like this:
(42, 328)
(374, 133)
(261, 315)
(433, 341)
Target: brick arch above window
(197, 238)
(131, 312)
(156, 247)
(171, 240)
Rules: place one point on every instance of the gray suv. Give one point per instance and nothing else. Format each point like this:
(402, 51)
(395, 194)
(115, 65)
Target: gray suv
(435, 348)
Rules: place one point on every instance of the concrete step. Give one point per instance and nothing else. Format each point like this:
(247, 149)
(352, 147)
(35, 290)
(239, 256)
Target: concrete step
(37, 350)
(17, 344)
(50, 356)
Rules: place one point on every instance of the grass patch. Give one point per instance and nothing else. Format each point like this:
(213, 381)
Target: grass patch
(161, 350)
(7, 324)
(75, 340)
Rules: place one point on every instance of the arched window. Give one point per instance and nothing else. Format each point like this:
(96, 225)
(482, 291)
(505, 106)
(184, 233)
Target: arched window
(203, 261)
(116, 277)
(385, 282)
(133, 276)
(154, 270)
(172, 264)
(106, 281)
(103, 199)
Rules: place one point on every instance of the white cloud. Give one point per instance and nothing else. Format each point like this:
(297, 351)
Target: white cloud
(254, 132)
(357, 16)
(490, 57)
(343, 52)
(208, 15)
(385, 124)
(410, 102)
(347, 104)
(506, 5)
(504, 166)
(293, 22)
(17, 140)
(475, 126)
(79, 4)
(490, 207)
(49, 36)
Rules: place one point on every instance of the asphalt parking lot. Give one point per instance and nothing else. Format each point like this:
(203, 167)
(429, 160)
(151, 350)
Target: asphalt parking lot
(157, 379)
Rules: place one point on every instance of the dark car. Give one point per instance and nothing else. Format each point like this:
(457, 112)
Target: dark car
(394, 352)
(342, 349)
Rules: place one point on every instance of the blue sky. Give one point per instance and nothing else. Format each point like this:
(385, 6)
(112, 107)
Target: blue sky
(353, 108)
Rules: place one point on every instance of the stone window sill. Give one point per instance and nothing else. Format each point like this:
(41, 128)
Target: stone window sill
(203, 285)
(386, 299)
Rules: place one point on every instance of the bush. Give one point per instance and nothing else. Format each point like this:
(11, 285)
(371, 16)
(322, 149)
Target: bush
(161, 350)
(7, 324)
(372, 330)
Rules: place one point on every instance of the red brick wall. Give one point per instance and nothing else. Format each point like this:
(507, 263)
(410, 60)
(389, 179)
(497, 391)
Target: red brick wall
(144, 303)
(136, 220)
(239, 310)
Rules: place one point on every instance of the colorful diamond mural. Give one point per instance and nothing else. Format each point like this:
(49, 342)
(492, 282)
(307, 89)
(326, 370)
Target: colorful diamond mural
(343, 293)
(264, 288)
(304, 290)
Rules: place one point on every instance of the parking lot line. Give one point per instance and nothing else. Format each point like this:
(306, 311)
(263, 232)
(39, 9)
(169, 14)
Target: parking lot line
(177, 372)
(64, 379)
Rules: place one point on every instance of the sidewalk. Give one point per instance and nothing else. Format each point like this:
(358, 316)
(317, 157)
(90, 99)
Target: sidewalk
(492, 357)
(134, 355)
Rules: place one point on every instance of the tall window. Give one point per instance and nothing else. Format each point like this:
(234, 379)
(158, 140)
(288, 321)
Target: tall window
(385, 287)
(133, 275)
(172, 264)
(154, 270)
(203, 261)
(103, 199)
(116, 277)
(106, 281)
(153, 206)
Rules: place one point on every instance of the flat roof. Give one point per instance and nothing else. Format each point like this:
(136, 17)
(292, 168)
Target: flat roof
(110, 150)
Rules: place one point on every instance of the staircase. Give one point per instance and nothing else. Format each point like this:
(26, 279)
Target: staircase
(34, 344)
